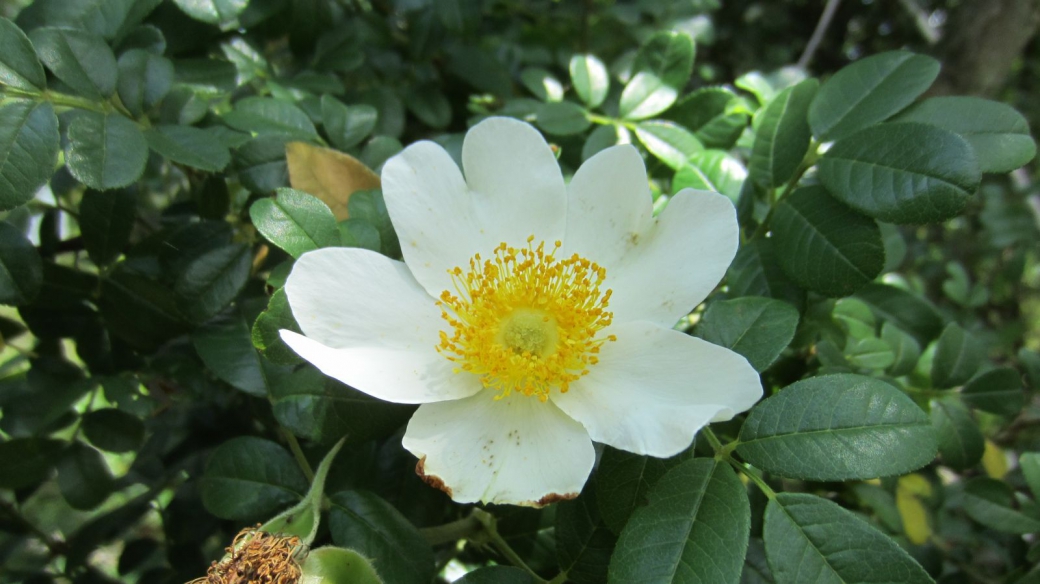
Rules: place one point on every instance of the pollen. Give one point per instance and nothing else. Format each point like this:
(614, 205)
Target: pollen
(257, 557)
(524, 320)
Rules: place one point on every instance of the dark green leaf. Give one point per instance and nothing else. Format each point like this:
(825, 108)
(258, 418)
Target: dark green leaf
(958, 355)
(105, 221)
(265, 115)
(19, 67)
(810, 540)
(903, 309)
(105, 18)
(189, 146)
(991, 503)
(359, 233)
(28, 149)
(378, 150)
(961, 444)
(622, 482)
(370, 206)
(905, 349)
(562, 118)
(542, 84)
(372, 526)
(21, 270)
(496, 575)
(709, 114)
(1029, 462)
(26, 461)
(781, 135)
(837, 427)
(870, 91)
(113, 430)
(584, 543)
(105, 151)
(602, 138)
(430, 105)
(223, 13)
(998, 391)
(226, 347)
(83, 476)
(295, 221)
(248, 478)
(757, 328)
(347, 126)
(825, 246)
(997, 133)
(144, 79)
(211, 281)
(662, 67)
(902, 172)
(80, 59)
(139, 310)
(590, 79)
(695, 529)
(265, 334)
(261, 163)
(756, 566)
(756, 272)
(669, 142)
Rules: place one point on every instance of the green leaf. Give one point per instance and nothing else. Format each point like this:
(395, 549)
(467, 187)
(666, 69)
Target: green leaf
(223, 13)
(80, 59)
(189, 146)
(870, 91)
(496, 575)
(247, 478)
(378, 150)
(669, 142)
(347, 126)
(19, 67)
(302, 519)
(902, 172)
(713, 114)
(958, 355)
(662, 67)
(105, 151)
(83, 477)
(903, 309)
(359, 233)
(331, 565)
(622, 482)
(810, 540)
(997, 391)
(584, 543)
(144, 80)
(604, 137)
(836, 428)
(106, 18)
(990, 502)
(319, 408)
(212, 280)
(695, 529)
(374, 528)
(756, 566)
(1030, 465)
(562, 118)
(781, 135)
(266, 115)
(225, 345)
(113, 430)
(905, 349)
(430, 105)
(261, 163)
(265, 334)
(28, 149)
(369, 206)
(542, 84)
(869, 353)
(961, 444)
(295, 221)
(21, 270)
(757, 328)
(756, 272)
(27, 461)
(824, 246)
(141, 311)
(105, 221)
(590, 79)
(711, 170)
(997, 133)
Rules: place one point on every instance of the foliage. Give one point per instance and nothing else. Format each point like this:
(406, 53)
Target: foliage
(163, 163)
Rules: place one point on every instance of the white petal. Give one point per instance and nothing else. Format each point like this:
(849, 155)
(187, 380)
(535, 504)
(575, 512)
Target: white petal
(513, 189)
(516, 450)
(654, 388)
(369, 324)
(659, 269)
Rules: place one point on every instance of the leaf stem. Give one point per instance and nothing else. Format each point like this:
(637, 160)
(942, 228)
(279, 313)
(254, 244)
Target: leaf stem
(451, 532)
(810, 159)
(294, 446)
(722, 452)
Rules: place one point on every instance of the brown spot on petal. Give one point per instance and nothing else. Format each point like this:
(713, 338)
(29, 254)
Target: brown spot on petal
(554, 498)
(432, 480)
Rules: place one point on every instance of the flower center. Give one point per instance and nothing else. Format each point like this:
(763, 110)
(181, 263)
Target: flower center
(525, 320)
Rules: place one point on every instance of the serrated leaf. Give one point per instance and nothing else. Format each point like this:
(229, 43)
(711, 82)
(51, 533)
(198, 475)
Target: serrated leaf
(212, 280)
(756, 272)
(189, 146)
(837, 427)
(28, 149)
(346, 125)
(782, 135)
(266, 115)
(669, 142)
(757, 328)
(261, 163)
(712, 170)
(82, 60)
(990, 502)
(662, 67)
(590, 79)
(105, 151)
(961, 444)
(622, 483)
(374, 528)
(870, 91)
(265, 334)
(225, 345)
(998, 391)
(903, 309)
(824, 246)
(328, 175)
(21, 269)
(19, 67)
(958, 355)
(141, 311)
(295, 222)
(105, 221)
(695, 529)
(584, 543)
(902, 172)
(247, 478)
(810, 540)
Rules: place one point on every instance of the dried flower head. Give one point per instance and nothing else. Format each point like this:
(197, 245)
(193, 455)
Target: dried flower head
(257, 557)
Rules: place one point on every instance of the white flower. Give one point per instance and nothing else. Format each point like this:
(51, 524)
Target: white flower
(530, 316)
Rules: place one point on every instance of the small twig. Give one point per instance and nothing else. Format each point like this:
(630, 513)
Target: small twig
(817, 36)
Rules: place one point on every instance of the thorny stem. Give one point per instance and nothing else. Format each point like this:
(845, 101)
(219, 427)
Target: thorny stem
(294, 446)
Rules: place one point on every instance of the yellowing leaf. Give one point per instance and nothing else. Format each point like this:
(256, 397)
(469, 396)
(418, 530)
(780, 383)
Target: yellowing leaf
(994, 461)
(327, 174)
(915, 484)
(909, 491)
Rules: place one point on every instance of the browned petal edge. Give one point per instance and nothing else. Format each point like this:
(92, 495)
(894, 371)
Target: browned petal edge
(432, 480)
(554, 498)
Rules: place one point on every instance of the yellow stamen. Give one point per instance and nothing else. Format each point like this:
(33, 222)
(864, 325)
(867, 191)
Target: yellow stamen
(524, 320)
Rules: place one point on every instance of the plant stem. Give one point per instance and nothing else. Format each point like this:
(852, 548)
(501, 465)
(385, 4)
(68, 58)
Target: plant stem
(817, 36)
(301, 460)
(451, 532)
(722, 453)
(810, 159)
